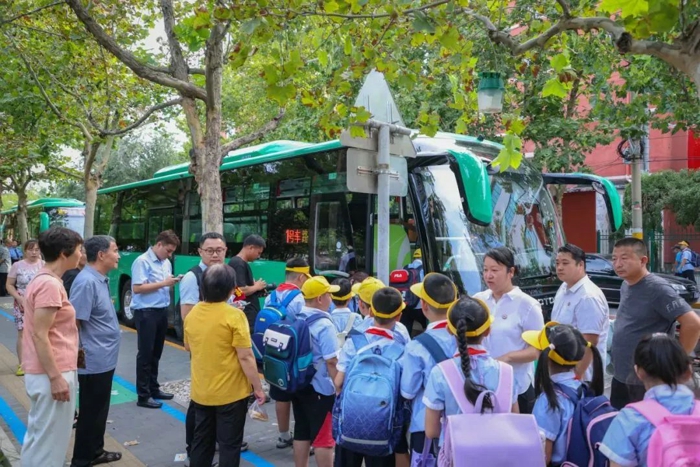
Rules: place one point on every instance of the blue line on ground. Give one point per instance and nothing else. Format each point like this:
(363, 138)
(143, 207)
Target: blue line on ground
(180, 416)
(15, 423)
(8, 316)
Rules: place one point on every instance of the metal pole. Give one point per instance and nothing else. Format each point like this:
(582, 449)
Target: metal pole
(383, 160)
(637, 230)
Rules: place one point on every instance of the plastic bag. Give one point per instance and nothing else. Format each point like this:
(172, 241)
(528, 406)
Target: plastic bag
(258, 412)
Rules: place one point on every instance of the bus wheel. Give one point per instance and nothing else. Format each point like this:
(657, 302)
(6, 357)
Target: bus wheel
(127, 314)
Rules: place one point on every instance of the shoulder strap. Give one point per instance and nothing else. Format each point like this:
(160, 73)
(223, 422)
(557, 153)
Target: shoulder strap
(349, 324)
(504, 391)
(433, 347)
(653, 411)
(358, 339)
(570, 394)
(453, 376)
(288, 299)
(197, 271)
(315, 317)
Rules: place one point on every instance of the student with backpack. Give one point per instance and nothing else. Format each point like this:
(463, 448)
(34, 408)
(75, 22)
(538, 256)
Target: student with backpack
(285, 300)
(437, 293)
(663, 429)
(563, 404)
(313, 393)
(369, 412)
(365, 291)
(343, 318)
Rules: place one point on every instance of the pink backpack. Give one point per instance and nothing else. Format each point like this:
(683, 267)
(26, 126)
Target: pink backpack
(489, 439)
(676, 440)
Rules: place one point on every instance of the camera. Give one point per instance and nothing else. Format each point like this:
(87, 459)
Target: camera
(270, 287)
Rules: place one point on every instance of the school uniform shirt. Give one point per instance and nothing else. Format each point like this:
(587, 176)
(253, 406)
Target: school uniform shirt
(282, 291)
(416, 364)
(584, 307)
(554, 423)
(485, 370)
(324, 346)
(340, 317)
(374, 335)
(627, 439)
(399, 328)
(515, 313)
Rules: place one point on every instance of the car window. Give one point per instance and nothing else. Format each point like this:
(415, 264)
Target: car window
(595, 264)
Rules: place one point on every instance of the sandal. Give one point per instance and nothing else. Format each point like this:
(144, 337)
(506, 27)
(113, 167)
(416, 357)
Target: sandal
(107, 457)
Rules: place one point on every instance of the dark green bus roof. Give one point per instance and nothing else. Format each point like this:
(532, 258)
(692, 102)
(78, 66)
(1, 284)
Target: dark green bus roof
(49, 203)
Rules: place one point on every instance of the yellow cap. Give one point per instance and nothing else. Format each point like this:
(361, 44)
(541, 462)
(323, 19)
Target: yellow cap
(682, 244)
(366, 288)
(317, 286)
(421, 293)
(301, 270)
(539, 340)
(418, 253)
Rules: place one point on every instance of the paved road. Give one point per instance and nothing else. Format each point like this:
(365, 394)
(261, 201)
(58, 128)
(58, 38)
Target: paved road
(160, 433)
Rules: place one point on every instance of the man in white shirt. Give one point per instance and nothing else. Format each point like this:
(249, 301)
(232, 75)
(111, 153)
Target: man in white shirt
(581, 304)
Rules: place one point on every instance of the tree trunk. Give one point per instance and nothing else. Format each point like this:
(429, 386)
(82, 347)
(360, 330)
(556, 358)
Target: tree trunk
(91, 186)
(92, 178)
(22, 213)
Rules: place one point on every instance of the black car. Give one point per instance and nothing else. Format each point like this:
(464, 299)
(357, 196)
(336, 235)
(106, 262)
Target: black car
(600, 270)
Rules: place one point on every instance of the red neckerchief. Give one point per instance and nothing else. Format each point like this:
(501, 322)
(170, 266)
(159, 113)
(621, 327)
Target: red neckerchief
(283, 287)
(473, 352)
(442, 325)
(380, 332)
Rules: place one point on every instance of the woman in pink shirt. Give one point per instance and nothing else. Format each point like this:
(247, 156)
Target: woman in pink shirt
(50, 352)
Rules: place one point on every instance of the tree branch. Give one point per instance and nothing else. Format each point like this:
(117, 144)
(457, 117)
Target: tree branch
(105, 40)
(408, 11)
(74, 175)
(139, 122)
(168, 70)
(259, 133)
(178, 64)
(566, 9)
(31, 12)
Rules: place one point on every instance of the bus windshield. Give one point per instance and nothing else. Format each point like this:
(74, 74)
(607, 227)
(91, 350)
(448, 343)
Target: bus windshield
(524, 220)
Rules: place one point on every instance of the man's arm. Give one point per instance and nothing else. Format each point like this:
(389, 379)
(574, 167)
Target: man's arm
(332, 369)
(152, 287)
(690, 330)
(43, 320)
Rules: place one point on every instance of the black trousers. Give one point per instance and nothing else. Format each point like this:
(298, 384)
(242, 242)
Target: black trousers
(689, 274)
(622, 394)
(189, 427)
(347, 458)
(526, 400)
(3, 282)
(223, 424)
(151, 326)
(94, 396)
(408, 317)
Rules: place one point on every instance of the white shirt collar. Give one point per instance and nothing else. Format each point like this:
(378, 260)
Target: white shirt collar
(576, 286)
(435, 323)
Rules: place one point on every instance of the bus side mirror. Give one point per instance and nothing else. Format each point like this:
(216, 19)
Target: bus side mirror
(43, 221)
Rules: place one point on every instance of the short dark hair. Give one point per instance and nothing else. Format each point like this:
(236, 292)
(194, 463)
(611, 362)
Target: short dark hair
(576, 253)
(386, 300)
(58, 240)
(638, 245)
(31, 243)
(217, 283)
(345, 288)
(168, 237)
(662, 358)
(502, 255)
(95, 245)
(440, 288)
(295, 263)
(254, 240)
(210, 236)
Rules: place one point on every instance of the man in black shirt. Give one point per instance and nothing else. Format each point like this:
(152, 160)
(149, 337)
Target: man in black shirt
(70, 275)
(253, 246)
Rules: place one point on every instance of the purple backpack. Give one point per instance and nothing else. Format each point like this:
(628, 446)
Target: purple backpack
(490, 439)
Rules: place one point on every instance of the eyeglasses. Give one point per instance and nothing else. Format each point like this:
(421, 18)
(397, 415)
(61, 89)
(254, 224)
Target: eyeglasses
(217, 251)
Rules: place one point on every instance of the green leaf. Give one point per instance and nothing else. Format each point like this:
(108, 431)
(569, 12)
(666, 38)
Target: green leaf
(450, 39)
(510, 155)
(249, 27)
(294, 62)
(361, 114)
(331, 7)
(323, 57)
(554, 87)
(559, 62)
(422, 23)
(627, 8)
(357, 131)
(348, 46)
(281, 94)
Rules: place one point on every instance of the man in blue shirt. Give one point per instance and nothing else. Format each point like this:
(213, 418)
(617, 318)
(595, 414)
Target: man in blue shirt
(16, 252)
(99, 338)
(686, 268)
(151, 279)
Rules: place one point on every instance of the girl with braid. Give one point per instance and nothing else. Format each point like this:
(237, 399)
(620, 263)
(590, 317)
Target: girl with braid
(563, 347)
(469, 321)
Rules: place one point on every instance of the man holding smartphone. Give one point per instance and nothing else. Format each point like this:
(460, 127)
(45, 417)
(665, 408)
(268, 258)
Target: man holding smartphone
(253, 246)
(151, 279)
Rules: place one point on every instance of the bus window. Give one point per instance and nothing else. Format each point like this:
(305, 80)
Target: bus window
(131, 231)
(402, 233)
(332, 238)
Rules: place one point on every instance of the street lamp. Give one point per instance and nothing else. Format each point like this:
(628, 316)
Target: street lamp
(490, 92)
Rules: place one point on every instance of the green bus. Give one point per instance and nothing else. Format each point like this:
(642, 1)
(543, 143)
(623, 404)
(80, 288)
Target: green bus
(44, 213)
(455, 206)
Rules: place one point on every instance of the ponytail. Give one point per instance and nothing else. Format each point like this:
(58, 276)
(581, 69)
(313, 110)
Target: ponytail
(598, 383)
(543, 381)
(471, 389)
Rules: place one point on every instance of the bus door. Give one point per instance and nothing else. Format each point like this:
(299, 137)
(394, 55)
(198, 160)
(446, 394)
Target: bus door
(403, 236)
(333, 247)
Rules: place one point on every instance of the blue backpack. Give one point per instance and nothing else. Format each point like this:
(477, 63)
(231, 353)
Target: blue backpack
(288, 357)
(587, 427)
(270, 314)
(694, 259)
(369, 413)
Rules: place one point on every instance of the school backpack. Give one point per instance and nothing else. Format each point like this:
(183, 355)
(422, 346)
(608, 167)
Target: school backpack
(288, 357)
(271, 313)
(433, 347)
(676, 440)
(498, 438)
(402, 280)
(342, 335)
(369, 413)
(694, 259)
(587, 427)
